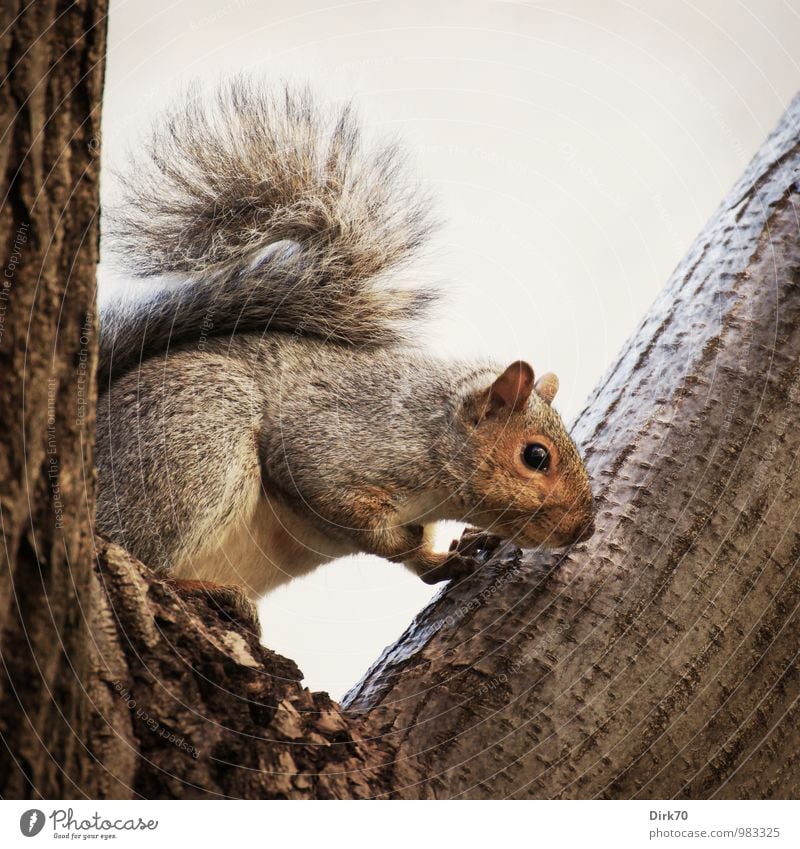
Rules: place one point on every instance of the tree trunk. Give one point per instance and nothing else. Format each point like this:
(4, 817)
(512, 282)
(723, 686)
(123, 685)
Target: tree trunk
(53, 55)
(657, 660)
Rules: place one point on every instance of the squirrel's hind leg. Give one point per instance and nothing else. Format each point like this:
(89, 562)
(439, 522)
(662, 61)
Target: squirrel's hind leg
(230, 601)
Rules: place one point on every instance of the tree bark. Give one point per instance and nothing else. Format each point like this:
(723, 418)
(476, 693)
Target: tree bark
(52, 57)
(659, 659)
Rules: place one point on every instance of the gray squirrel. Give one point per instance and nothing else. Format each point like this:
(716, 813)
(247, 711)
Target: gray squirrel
(264, 409)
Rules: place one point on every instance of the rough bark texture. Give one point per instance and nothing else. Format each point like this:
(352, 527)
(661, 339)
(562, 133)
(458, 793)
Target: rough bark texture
(660, 658)
(657, 660)
(52, 60)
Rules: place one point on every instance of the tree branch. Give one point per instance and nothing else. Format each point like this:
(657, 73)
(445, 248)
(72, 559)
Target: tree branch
(660, 658)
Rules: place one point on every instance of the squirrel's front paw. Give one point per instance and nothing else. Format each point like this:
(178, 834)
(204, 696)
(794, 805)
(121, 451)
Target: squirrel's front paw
(476, 544)
(465, 557)
(454, 567)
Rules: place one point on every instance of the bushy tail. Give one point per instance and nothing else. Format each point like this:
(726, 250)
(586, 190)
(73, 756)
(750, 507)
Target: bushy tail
(272, 214)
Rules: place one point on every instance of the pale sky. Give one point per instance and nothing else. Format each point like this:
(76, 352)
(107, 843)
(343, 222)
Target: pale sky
(576, 148)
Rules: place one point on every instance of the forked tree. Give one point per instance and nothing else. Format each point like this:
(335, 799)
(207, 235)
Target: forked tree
(659, 659)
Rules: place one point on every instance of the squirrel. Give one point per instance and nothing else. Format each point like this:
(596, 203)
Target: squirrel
(263, 407)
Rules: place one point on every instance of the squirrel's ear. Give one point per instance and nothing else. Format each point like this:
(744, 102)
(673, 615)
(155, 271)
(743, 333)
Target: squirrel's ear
(511, 390)
(546, 387)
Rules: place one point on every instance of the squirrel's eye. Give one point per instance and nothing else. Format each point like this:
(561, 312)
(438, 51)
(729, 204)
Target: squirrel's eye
(536, 457)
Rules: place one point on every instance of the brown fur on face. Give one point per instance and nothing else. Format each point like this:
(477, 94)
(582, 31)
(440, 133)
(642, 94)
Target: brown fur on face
(553, 507)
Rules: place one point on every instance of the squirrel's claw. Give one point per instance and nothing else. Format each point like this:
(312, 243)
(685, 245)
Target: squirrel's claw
(230, 602)
(453, 568)
(466, 556)
(476, 544)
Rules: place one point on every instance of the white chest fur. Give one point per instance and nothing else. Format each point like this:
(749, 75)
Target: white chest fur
(263, 550)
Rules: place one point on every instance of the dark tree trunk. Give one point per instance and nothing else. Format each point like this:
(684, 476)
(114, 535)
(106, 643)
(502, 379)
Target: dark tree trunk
(657, 660)
(52, 58)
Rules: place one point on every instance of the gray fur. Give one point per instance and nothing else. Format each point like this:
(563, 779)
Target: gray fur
(272, 214)
(236, 456)
(186, 442)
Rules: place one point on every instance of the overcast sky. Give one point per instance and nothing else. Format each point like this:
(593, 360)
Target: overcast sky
(575, 148)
